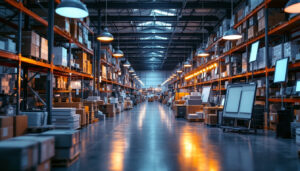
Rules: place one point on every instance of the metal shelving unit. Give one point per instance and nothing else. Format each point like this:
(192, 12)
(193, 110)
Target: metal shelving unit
(280, 29)
(27, 64)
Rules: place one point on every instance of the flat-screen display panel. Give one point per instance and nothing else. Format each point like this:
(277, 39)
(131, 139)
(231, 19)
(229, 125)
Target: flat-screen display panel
(298, 86)
(254, 51)
(246, 103)
(233, 99)
(205, 94)
(281, 70)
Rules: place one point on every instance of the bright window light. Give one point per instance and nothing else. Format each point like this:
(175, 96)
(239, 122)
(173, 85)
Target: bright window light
(157, 12)
(154, 37)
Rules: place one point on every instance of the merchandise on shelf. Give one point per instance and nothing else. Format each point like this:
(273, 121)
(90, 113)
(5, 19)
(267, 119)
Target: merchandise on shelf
(44, 49)
(31, 44)
(60, 56)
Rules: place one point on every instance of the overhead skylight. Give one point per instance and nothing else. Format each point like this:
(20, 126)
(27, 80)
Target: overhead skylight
(156, 46)
(165, 25)
(157, 12)
(154, 37)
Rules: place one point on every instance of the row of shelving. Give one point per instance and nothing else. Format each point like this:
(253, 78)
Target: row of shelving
(20, 6)
(37, 65)
(279, 29)
(248, 74)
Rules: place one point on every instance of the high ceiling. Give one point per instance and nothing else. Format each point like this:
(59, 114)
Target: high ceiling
(158, 34)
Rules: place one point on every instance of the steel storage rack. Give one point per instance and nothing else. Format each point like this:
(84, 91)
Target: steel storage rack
(54, 35)
(284, 28)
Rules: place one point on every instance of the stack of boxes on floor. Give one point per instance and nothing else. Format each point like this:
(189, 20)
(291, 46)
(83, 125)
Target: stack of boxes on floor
(27, 153)
(12, 126)
(67, 144)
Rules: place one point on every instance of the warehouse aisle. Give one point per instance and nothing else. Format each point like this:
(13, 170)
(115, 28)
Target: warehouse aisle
(148, 138)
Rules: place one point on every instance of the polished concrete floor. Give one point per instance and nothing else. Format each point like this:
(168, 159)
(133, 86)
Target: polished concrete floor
(149, 138)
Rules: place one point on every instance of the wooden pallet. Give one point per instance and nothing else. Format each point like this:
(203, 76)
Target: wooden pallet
(64, 163)
(40, 129)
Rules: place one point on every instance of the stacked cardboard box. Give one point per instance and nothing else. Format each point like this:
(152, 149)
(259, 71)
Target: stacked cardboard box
(79, 110)
(18, 155)
(45, 150)
(60, 56)
(36, 119)
(62, 22)
(275, 17)
(65, 118)
(44, 49)
(66, 144)
(30, 44)
(20, 124)
(92, 107)
(108, 109)
(82, 61)
(6, 127)
(7, 83)
(61, 82)
(7, 45)
(211, 119)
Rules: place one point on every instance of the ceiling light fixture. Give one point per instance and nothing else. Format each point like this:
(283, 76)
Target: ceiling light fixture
(131, 70)
(118, 53)
(72, 9)
(187, 64)
(105, 36)
(126, 64)
(293, 6)
(232, 34)
(201, 52)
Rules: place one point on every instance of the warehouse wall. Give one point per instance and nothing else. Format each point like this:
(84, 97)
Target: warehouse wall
(153, 78)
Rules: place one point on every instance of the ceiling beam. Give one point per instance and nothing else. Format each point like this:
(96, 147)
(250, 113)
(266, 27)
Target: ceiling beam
(209, 18)
(198, 35)
(215, 4)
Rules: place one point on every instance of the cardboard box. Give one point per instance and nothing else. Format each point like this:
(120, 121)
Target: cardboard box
(194, 109)
(82, 114)
(44, 49)
(62, 22)
(64, 138)
(60, 56)
(6, 127)
(30, 44)
(45, 146)
(211, 119)
(20, 125)
(252, 32)
(46, 166)
(18, 155)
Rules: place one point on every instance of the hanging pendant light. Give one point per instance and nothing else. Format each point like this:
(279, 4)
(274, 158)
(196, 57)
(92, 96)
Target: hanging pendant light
(131, 70)
(179, 71)
(126, 64)
(202, 53)
(187, 64)
(105, 36)
(118, 53)
(232, 34)
(293, 6)
(72, 9)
